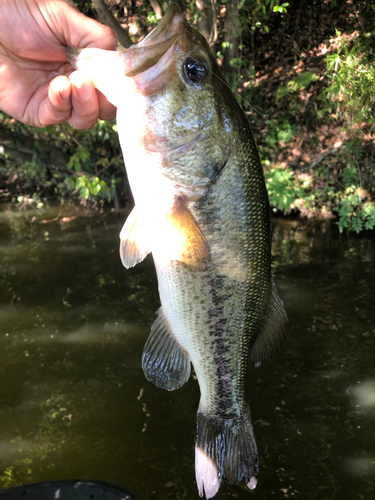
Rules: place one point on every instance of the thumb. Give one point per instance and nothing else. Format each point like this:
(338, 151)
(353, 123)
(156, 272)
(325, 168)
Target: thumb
(73, 28)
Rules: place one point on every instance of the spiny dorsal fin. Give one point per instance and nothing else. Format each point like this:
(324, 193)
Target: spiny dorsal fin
(274, 330)
(191, 244)
(133, 240)
(164, 362)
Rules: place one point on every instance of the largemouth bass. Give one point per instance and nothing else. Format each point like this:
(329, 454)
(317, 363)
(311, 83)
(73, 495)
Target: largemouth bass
(201, 208)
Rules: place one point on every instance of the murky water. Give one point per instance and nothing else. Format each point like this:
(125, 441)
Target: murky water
(74, 402)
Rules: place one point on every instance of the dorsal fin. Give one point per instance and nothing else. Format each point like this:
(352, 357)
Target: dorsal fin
(274, 331)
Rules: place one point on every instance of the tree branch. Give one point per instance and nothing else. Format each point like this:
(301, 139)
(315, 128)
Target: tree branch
(321, 157)
(157, 8)
(106, 17)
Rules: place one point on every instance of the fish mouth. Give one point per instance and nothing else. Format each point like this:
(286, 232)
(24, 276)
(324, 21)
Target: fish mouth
(139, 57)
(169, 26)
(147, 66)
(142, 56)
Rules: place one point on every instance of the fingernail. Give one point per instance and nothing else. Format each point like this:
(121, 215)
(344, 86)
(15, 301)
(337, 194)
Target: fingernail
(85, 91)
(65, 91)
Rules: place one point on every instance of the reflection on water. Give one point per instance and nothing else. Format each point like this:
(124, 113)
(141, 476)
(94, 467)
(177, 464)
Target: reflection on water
(363, 394)
(74, 402)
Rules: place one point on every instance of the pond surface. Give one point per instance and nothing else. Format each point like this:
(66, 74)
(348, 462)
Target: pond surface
(74, 402)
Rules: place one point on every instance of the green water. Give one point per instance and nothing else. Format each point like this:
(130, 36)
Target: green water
(74, 402)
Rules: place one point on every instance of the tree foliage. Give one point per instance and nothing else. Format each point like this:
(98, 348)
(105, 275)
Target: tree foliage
(304, 74)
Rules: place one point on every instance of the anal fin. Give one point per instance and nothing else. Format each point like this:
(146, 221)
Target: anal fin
(274, 330)
(163, 361)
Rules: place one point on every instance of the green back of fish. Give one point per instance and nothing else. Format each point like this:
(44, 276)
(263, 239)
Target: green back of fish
(235, 218)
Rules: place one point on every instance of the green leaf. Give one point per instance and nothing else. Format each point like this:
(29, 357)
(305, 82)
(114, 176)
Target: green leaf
(80, 182)
(282, 188)
(282, 91)
(302, 80)
(85, 193)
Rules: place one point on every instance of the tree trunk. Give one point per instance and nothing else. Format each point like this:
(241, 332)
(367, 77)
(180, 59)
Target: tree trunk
(231, 39)
(207, 23)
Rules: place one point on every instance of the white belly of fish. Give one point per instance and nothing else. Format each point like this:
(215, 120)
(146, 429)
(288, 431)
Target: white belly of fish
(185, 303)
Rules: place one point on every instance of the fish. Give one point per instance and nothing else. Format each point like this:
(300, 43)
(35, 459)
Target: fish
(202, 211)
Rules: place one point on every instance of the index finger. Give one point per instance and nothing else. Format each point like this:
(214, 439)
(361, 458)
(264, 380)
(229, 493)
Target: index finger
(88, 104)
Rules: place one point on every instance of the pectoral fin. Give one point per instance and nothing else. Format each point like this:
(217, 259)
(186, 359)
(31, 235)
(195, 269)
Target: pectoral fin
(191, 246)
(134, 245)
(274, 330)
(164, 362)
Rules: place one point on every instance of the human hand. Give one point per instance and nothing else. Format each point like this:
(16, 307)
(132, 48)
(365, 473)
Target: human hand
(35, 87)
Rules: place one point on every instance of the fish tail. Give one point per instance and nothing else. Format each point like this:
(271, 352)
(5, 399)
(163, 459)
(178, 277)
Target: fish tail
(226, 449)
(208, 455)
(240, 457)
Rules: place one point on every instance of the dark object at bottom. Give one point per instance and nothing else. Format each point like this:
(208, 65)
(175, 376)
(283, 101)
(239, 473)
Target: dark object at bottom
(66, 490)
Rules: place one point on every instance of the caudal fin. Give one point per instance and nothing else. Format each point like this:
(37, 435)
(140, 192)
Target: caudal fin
(225, 449)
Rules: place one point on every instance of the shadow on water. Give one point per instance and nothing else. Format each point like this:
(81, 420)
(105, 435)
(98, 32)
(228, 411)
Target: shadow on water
(74, 401)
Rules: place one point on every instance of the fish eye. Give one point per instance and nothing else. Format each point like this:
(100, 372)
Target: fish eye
(194, 69)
